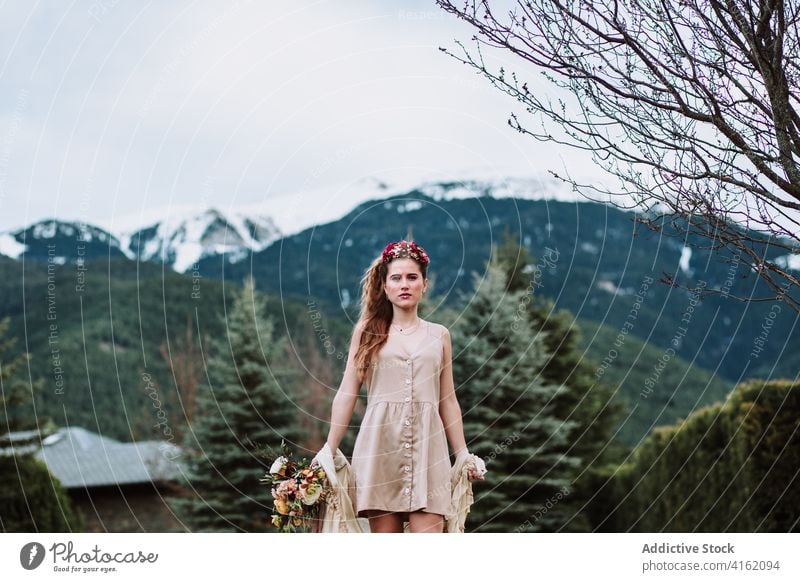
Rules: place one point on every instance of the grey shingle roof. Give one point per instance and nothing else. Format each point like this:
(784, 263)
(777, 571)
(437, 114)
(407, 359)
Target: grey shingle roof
(79, 458)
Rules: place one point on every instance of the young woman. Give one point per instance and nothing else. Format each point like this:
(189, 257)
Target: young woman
(400, 459)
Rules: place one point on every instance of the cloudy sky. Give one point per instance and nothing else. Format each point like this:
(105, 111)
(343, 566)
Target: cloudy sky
(116, 112)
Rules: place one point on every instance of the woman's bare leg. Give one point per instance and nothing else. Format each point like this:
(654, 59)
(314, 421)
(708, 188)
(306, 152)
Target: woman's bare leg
(424, 522)
(385, 521)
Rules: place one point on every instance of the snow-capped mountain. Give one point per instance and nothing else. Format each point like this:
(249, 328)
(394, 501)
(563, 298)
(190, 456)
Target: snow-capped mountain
(182, 237)
(178, 241)
(294, 212)
(181, 241)
(59, 242)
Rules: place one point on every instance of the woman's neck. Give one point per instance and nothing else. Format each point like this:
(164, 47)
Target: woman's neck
(405, 320)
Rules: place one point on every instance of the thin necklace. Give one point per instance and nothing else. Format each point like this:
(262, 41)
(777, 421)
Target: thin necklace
(400, 329)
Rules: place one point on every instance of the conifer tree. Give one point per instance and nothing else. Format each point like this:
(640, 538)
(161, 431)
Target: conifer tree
(246, 408)
(509, 411)
(31, 498)
(586, 401)
(18, 396)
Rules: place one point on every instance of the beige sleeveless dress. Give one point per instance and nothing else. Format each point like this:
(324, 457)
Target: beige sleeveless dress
(400, 458)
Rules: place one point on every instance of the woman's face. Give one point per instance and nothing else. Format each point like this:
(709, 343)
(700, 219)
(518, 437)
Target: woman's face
(404, 283)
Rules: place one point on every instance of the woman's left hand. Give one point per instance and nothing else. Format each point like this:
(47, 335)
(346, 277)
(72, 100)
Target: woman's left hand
(475, 475)
(478, 469)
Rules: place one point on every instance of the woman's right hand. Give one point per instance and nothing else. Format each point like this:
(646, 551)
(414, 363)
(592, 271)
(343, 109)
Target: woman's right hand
(315, 461)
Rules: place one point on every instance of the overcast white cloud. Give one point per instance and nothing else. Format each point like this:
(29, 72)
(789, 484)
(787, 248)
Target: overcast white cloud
(113, 112)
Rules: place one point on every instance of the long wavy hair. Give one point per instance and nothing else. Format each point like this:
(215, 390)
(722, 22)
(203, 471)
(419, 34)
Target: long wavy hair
(376, 312)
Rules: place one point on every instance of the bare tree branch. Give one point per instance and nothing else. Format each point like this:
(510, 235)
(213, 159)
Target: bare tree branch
(691, 105)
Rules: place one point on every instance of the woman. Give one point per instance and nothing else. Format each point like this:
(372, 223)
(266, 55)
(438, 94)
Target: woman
(400, 458)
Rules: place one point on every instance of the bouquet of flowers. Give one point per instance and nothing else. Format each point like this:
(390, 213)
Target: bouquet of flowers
(298, 490)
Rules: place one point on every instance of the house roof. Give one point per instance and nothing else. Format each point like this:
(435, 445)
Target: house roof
(80, 458)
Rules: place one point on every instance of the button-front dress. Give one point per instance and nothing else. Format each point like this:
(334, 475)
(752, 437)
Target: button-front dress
(400, 458)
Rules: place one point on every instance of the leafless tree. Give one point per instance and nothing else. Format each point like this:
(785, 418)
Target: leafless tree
(184, 358)
(691, 104)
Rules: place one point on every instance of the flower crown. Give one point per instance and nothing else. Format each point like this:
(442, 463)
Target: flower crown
(402, 249)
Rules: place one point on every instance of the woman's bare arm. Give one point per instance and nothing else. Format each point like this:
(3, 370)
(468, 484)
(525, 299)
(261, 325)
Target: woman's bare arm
(346, 397)
(449, 409)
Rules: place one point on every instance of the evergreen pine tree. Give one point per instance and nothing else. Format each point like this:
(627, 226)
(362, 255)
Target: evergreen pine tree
(586, 401)
(247, 408)
(509, 411)
(31, 498)
(19, 396)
